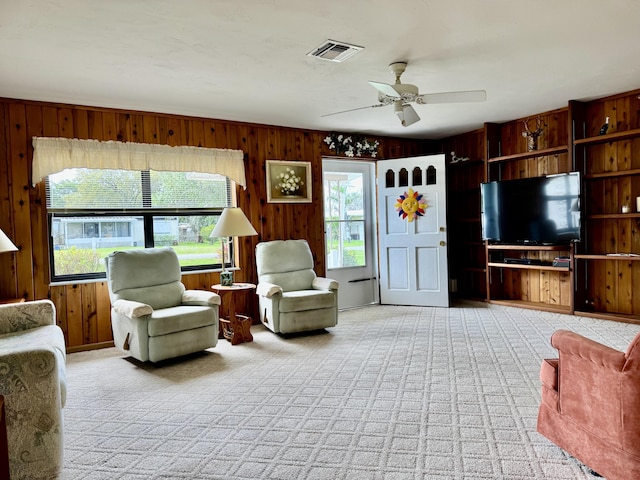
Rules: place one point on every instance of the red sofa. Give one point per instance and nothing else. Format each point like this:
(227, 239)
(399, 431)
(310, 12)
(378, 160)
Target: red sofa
(590, 404)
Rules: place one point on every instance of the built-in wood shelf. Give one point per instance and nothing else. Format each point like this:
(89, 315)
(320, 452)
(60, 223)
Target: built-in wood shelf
(533, 154)
(619, 173)
(604, 256)
(612, 216)
(555, 248)
(524, 266)
(611, 137)
(547, 307)
(616, 317)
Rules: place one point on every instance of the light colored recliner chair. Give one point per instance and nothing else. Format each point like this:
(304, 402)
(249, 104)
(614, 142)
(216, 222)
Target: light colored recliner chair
(153, 317)
(291, 297)
(33, 382)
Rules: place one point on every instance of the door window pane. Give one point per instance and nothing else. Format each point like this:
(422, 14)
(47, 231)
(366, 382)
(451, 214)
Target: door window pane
(345, 244)
(344, 219)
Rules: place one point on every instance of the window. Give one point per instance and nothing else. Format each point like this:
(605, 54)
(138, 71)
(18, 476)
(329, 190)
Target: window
(94, 212)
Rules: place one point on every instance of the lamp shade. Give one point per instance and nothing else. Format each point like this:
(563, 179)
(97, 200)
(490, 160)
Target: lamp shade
(6, 245)
(233, 223)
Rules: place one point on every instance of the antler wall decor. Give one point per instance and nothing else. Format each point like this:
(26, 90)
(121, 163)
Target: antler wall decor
(532, 136)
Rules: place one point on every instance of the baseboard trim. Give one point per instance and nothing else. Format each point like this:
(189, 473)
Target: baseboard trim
(90, 346)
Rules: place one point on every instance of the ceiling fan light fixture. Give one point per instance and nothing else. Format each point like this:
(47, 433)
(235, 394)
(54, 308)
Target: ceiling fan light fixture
(406, 113)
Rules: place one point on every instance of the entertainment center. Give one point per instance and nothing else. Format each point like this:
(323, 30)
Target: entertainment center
(590, 269)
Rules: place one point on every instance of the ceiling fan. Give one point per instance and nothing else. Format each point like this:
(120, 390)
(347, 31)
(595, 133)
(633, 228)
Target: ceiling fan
(401, 95)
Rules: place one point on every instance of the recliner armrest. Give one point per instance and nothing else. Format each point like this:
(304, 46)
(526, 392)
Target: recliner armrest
(265, 289)
(321, 283)
(200, 297)
(131, 309)
(574, 344)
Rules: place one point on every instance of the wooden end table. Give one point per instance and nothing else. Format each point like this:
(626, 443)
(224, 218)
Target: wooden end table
(235, 327)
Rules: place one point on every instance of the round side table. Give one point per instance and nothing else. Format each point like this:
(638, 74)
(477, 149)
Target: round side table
(235, 327)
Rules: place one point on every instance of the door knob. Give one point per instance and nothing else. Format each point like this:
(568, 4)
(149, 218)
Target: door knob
(442, 244)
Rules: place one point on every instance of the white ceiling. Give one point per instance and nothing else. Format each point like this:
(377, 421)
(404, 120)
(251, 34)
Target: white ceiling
(246, 60)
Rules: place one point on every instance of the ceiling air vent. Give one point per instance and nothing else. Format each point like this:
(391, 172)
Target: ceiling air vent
(334, 51)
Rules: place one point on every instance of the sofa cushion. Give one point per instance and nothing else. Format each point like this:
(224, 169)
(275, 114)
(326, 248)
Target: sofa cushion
(302, 300)
(177, 319)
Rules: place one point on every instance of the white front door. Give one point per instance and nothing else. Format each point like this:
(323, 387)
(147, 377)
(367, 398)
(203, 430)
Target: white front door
(349, 225)
(413, 254)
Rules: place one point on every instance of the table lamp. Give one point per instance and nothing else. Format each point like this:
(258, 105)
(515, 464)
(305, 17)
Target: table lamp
(232, 223)
(6, 245)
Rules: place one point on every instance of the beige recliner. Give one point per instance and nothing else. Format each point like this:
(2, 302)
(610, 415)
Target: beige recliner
(291, 297)
(153, 316)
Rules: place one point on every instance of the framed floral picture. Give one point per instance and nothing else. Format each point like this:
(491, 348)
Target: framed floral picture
(288, 182)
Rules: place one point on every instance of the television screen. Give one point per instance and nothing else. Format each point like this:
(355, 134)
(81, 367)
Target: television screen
(538, 210)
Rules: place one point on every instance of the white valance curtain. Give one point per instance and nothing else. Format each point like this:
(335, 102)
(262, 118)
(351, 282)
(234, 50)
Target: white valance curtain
(52, 155)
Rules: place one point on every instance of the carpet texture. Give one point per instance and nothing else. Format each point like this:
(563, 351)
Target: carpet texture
(392, 392)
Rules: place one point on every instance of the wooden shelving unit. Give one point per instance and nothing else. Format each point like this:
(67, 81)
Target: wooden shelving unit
(610, 164)
(537, 286)
(540, 286)
(466, 249)
(597, 284)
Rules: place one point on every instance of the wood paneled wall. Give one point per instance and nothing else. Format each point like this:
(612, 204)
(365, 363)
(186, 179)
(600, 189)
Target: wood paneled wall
(83, 308)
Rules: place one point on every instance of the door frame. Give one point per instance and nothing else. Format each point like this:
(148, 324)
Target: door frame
(368, 276)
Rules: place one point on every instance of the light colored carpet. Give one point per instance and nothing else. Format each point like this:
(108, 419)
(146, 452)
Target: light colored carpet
(392, 393)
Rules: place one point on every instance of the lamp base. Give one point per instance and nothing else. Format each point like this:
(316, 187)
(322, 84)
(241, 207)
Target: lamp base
(226, 278)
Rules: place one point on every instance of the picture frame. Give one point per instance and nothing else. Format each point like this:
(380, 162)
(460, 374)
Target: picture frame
(288, 181)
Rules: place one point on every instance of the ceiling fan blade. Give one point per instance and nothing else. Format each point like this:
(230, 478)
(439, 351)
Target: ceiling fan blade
(385, 89)
(406, 113)
(453, 97)
(353, 110)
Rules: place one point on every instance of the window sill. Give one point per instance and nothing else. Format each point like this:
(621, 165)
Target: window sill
(104, 280)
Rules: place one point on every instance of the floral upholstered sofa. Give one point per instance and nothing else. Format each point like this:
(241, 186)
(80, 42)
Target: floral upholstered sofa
(33, 383)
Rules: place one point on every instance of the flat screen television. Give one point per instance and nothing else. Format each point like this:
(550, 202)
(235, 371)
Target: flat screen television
(538, 210)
